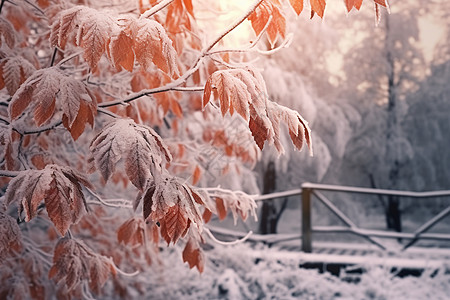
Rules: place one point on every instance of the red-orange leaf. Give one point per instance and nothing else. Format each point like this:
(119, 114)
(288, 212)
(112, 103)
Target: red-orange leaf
(261, 16)
(318, 6)
(74, 262)
(132, 232)
(221, 209)
(196, 175)
(152, 45)
(48, 90)
(86, 27)
(140, 146)
(7, 32)
(357, 3)
(10, 236)
(381, 2)
(193, 255)
(174, 224)
(244, 90)
(14, 70)
(121, 51)
(173, 204)
(235, 88)
(354, 3)
(297, 5)
(349, 4)
(60, 188)
(207, 215)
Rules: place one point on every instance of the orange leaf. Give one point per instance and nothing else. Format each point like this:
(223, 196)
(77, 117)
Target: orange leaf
(196, 175)
(151, 44)
(74, 262)
(349, 4)
(8, 33)
(381, 2)
(176, 108)
(221, 209)
(318, 6)
(193, 255)
(145, 148)
(132, 232)
(121, 51)
(297, 5)
(43, 88)
(207, 214)
(84, 116)
(174, 224)
(86, 27)
(277, 26)
(259, 130)
(11, 237)
(148, 201)
(58, 186)
(261, 16)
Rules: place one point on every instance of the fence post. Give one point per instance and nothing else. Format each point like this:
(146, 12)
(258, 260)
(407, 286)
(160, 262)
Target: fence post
(306, 220)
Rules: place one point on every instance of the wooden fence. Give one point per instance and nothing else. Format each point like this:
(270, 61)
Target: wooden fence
(310, 192)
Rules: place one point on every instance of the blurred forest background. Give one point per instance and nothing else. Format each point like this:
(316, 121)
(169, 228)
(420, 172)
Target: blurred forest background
(377, 99)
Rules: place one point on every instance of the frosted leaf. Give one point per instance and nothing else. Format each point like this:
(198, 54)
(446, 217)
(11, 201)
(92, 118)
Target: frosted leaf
(86, 27)
(58, 186)
(74, 262)
(7, 33)
(152, 44)
(240, 204)
(10, 236)
(173, 204)
(14, 71)
(48, 90)
(141, 147)
(244, 90)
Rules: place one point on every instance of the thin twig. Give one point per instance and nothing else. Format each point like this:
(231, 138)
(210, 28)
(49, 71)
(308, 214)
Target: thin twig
(35, 7)
(5, 173)
(1, 5)
(161, 5)
(107, 112)
(4, 120)
(69, 58)
(55, 51)
(124, 273)
(228, 243)
(104, 202)
(41, 129)
(189, 89)
(249, 47)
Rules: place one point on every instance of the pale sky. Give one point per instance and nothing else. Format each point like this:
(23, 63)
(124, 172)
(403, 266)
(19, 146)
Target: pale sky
(430, 30)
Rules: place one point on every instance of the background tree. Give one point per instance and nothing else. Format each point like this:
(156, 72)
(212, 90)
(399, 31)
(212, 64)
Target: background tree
(348, 112)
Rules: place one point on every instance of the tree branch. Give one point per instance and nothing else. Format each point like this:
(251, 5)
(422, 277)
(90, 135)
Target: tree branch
(40, 129)
(4, 120)
(52, 61)
(5, 173)
(195, 65)
(1, 5)
(161, 5)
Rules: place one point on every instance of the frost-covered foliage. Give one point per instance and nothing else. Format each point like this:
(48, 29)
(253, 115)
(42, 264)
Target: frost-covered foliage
(107, 144)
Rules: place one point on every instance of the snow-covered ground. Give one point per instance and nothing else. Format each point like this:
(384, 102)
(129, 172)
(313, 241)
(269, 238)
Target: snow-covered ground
(254, 271)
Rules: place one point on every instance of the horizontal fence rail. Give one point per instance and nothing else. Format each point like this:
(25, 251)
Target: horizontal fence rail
(358, 190)
(310, 189)
(313, 190)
